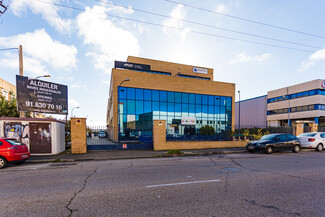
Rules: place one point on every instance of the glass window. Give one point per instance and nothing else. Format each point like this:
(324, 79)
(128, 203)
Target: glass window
(130, 107)
(198, 99)
(178, 97)
(139, 94)
(311, 107)
(171, 97)
(281, 137)
(122, 106)
(147, 106)
(191, 110)
(204, 111)
(204, 99)
(184, 108)
(191, 98)
(322, 135)
(312, 92)
(155, 95)
(223, 101)
(130, 93)
(147, 95)
(184, 97)
(229, 101)
(163, 108)
(163, 96)
(198, 110)
(139, 107)
(155, 108)
(178, 109)
(211, 100)
(305, 108)
(121, 92)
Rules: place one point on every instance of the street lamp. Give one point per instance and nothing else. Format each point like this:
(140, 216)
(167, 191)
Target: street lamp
(123, 82)
(43, 76)
(73, 109)
(239, 113)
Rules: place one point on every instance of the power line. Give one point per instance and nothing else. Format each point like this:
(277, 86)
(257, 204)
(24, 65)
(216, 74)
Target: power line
(248, 20)
(210, 26)
(181, 29)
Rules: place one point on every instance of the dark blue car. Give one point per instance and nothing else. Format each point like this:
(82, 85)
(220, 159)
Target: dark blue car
(275, 142)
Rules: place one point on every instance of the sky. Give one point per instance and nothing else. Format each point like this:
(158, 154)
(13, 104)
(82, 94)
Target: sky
(258, 45)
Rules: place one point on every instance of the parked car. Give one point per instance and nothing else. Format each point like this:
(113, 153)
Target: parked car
(312, 140)
(12, 151)
(275, 142)
(102, 134)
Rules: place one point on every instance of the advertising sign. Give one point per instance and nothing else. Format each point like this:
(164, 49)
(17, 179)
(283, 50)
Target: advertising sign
(200, 70)
(132, 66)
(188, 120)
(41, 96)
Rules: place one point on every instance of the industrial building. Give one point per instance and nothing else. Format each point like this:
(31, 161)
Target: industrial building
(182, 98)
(300, 103)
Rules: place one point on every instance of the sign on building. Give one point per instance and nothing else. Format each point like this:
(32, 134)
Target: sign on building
(41, 96)
(323, 84)
(200, 70)
(132, 66)
(188, 120)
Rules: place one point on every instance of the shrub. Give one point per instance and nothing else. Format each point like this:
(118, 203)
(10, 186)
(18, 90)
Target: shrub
(207, 130)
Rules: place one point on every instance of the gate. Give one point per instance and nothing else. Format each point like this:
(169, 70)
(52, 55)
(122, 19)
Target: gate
(98, 139)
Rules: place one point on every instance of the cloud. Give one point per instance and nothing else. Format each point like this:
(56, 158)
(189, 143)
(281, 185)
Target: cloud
(243, 58)
(221, 8)
(40, 49)
(315, 57)
(49, 12)
(178, 13)
(108, 41)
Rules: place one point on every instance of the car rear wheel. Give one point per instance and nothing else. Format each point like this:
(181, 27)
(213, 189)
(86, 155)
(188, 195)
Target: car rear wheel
(3, 162)
(319, 147)
(269, 149)
(296, 149)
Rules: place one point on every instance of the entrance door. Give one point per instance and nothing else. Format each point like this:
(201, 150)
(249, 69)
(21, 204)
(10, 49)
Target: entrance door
(40, 138)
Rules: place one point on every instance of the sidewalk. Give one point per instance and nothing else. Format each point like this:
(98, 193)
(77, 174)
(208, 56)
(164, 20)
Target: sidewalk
(126, 154)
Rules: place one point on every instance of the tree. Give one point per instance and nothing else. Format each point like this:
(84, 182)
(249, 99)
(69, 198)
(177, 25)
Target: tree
(207, 130)
(8, 108)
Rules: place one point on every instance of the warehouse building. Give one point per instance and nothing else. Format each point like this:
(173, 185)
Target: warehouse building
(182, 98)
(301, 103)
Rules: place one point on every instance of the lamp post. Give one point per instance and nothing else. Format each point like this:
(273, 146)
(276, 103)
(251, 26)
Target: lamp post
(239, 114)
(73, 109)
(289, 121)
(42, 76)
(127, 79)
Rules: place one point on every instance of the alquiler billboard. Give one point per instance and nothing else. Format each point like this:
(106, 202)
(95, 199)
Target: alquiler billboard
(41, 96)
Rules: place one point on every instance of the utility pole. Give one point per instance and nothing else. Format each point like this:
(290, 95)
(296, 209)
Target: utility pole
(21, 71)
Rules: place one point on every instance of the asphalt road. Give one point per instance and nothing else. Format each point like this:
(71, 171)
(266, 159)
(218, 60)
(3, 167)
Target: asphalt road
(281, 184)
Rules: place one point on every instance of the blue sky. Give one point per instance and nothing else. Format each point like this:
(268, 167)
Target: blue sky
(78, 46)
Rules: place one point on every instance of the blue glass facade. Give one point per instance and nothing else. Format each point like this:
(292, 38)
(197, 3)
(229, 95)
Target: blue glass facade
(297, 95)
(139, 107)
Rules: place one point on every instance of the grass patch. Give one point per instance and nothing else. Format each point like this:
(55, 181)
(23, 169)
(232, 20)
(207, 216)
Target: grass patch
(175, 152)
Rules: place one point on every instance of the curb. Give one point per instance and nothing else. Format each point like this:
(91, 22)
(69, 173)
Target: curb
(57, 160)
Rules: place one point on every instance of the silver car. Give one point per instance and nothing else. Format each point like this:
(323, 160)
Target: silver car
(314, 140)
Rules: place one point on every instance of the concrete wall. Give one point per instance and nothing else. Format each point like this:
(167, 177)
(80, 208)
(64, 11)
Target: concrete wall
(307, 100)
(252, 112)
(160, 143)
(58, 138)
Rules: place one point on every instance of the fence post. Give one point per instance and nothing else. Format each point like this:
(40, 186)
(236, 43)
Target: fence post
(78, 136)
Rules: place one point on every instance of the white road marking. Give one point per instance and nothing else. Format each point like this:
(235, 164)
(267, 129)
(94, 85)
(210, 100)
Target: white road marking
(183, 183)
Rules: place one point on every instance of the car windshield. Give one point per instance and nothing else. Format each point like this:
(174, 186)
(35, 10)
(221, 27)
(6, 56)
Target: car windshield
(14, 142)
(307, 135)
(268, 137)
